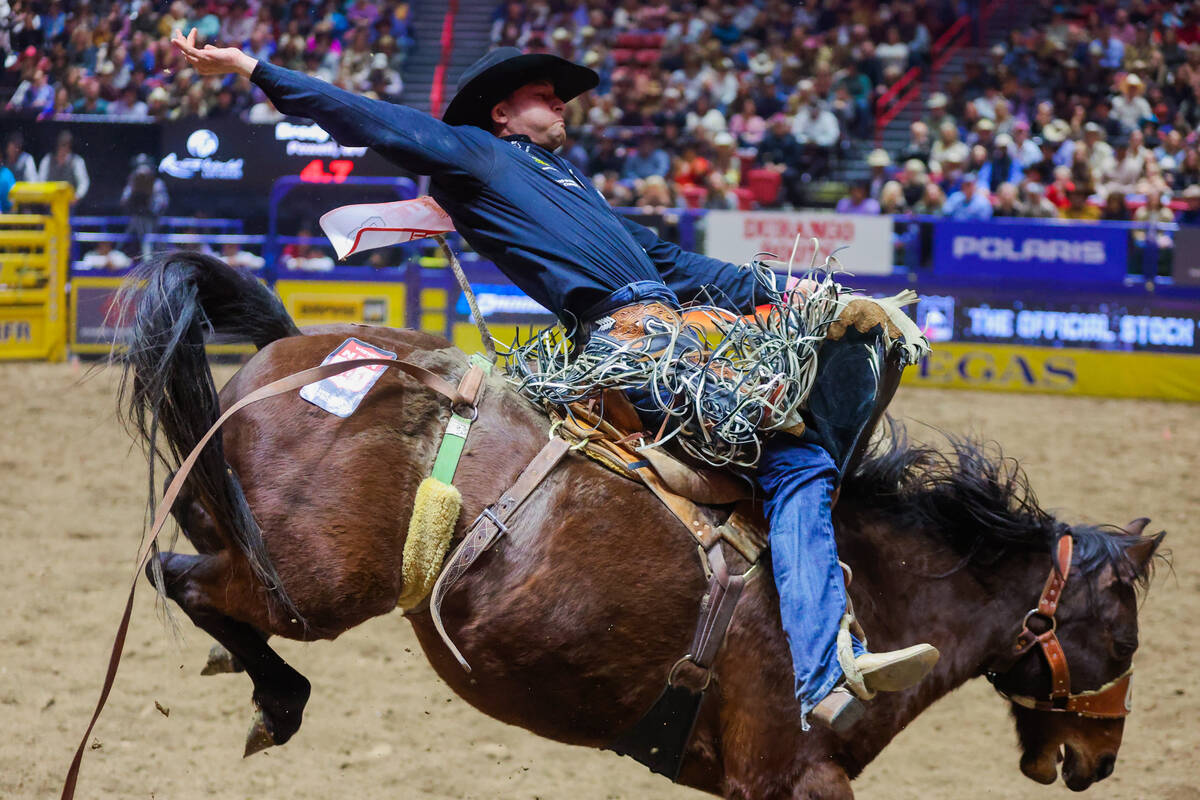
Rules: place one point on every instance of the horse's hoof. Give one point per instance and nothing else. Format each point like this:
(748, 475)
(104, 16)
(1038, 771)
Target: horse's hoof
(260, 737)
(220, 662)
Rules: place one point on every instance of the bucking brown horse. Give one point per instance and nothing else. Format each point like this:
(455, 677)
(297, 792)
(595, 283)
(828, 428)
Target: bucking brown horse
(573, 620)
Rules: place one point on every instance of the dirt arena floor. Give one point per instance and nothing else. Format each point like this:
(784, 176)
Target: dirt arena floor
(381, 725)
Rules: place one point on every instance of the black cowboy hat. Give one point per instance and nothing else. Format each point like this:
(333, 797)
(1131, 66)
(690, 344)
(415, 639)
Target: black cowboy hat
(506, 69)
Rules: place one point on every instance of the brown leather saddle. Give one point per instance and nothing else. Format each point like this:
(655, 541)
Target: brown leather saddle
(713, 504)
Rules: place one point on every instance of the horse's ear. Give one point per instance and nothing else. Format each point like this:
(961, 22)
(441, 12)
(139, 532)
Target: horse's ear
(1140, 552)
(1137, 527)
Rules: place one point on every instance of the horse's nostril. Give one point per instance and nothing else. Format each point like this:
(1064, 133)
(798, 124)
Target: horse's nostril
(1105, 767)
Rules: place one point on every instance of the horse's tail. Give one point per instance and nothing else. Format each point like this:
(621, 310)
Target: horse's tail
(167, 391)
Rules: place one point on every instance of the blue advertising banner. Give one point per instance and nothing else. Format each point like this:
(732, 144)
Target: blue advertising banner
(1066, 253)
(1084, 320)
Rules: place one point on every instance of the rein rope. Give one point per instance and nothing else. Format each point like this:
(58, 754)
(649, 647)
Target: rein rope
(469, 294)
(288, 383)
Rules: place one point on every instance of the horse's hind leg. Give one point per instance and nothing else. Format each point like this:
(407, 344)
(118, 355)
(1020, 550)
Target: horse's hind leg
(280, 692)
(221, 662)
(197, 526)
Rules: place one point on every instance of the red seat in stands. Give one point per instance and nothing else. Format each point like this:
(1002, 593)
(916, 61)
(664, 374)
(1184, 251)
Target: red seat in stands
(765, 184)
(694, 196)
(748, 160)
(745, 198)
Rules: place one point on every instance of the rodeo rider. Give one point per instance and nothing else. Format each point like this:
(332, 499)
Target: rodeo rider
(493, 169)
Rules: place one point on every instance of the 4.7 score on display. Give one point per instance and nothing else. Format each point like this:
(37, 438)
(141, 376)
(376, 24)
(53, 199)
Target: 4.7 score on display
(320, 171)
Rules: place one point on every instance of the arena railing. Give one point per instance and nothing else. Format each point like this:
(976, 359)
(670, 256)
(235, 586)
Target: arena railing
(437, 88)
(198, 223)
(913, 239)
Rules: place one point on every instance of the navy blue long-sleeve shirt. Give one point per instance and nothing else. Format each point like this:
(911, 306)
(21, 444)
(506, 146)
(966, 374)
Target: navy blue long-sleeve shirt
(531, 212)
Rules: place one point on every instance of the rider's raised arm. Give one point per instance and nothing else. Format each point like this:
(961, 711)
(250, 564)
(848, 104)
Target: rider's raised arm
(695, 277)
(409, 138)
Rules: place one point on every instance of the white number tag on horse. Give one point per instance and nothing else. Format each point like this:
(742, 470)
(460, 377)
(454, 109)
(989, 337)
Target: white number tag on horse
(342, 393)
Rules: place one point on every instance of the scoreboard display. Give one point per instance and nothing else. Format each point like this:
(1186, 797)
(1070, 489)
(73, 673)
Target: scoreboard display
(230, 155)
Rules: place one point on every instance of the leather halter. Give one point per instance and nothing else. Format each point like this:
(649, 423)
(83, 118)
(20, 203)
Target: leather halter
(1110, 701)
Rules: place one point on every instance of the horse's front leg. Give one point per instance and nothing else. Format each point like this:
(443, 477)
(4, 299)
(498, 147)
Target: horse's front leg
(280, 692)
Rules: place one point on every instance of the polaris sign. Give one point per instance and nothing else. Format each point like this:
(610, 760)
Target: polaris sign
(1003, 248)
(1031, 251)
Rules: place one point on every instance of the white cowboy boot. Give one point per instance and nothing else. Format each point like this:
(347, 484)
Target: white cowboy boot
(896, 670)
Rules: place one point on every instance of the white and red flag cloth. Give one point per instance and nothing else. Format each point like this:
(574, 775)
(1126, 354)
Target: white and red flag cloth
(366, 226)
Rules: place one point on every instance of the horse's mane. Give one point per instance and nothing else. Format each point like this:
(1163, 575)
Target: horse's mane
(977, 500)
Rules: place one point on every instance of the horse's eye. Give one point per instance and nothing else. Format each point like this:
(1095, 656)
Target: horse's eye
(1124, 649)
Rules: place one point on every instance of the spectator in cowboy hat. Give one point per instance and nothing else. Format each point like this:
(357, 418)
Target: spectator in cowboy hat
(951, 167)
(1036, 204)
(1078, 207)
(947, 138)
(1058, 133)
(913, 180)
(969, 202)
(1100, 152)
(984, 133)
(937, 113)
(1190, 215)
(1129, 107)
(879, 161)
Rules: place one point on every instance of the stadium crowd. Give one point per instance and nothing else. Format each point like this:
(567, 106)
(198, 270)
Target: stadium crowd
(1089, 111)
(114, 58)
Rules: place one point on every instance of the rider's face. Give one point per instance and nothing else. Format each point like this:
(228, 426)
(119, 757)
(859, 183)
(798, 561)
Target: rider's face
(535, 111)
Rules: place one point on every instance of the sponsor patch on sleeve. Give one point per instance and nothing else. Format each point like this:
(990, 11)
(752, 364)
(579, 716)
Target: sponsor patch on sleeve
(342, 393)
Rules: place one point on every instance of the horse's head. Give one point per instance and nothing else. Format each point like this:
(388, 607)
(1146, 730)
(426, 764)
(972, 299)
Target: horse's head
(1095, 623)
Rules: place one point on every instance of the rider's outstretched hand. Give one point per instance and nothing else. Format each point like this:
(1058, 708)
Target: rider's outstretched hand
(213, 60)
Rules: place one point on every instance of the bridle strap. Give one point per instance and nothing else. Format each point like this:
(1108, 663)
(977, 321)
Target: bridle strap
(1047, 607)
(1109, 701)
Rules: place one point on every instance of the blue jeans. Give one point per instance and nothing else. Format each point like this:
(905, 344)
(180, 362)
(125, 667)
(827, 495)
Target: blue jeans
(635, 292)
(798, 478)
